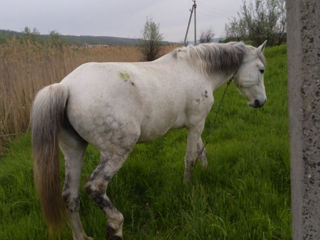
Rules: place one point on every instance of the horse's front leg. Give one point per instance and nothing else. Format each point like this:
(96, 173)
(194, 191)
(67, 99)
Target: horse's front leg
(194, 150)
(202, 154)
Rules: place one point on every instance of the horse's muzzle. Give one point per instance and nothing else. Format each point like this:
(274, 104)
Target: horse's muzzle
(257, 103)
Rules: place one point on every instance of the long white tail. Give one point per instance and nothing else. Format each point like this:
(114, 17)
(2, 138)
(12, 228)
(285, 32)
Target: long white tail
(47, 117)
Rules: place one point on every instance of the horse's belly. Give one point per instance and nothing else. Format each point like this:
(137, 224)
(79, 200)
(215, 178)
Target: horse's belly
(155, 127)
(151, 134)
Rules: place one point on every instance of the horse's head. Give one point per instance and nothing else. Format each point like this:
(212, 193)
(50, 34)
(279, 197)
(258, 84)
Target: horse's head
(249, 78)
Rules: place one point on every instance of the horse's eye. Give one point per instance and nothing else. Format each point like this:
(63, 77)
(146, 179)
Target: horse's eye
(261, 70)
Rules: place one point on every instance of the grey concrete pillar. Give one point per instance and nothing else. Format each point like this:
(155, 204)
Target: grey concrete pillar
(304, 113)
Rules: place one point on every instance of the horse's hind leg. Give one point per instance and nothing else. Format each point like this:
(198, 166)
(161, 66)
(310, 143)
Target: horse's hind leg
(73, 148)
(110, 163)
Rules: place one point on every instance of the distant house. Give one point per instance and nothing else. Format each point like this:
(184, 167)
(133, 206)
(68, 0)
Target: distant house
(97, 45)
(86, 45)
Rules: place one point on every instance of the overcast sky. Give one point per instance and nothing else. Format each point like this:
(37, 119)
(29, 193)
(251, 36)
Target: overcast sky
(119, 18)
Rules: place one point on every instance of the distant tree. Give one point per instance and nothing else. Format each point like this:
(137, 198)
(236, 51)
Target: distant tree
(35, 31)
(4, 37)
(259, 20)
(236, 29)
(282, 21)
(151, 40)
(206, 36)
(55, 39)
(30, 36)
(26, 30)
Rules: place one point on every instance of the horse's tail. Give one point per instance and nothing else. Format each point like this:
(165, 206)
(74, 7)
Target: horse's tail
(47, 117)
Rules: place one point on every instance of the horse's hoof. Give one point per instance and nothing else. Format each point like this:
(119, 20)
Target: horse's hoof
(111, 234)
(82, 237)
(186, 179)
(204, 164)
(114, 238)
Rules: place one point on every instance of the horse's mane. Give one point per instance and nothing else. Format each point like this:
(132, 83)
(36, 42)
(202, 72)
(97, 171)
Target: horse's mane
(216, 57)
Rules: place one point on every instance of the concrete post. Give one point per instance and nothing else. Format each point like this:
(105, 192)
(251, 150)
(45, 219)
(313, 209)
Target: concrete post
(303, 34)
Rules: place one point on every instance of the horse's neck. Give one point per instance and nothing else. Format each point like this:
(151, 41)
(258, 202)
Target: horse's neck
(218, 80)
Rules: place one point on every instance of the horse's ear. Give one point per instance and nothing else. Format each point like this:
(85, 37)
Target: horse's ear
(262, 46)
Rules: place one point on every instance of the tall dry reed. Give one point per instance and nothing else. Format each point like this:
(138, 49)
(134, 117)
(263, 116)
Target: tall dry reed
(27, 66)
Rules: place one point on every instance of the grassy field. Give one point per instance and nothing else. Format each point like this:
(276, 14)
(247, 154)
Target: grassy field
(243, 194)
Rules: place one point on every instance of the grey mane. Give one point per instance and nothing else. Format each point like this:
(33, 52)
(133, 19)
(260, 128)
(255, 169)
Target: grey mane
(218, 57)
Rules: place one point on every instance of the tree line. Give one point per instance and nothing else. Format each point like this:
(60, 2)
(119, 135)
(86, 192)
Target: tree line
(257, 21)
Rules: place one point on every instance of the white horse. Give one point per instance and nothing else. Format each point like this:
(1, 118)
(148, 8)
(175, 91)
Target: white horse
(116, 105)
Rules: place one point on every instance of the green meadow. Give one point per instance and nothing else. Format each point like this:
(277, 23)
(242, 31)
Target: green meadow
(243, 194)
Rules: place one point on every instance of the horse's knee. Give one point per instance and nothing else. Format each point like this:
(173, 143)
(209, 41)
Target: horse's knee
(190, 160)
(93, 190)
(97, 192)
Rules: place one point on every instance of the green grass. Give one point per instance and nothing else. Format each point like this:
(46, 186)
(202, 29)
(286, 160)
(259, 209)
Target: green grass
(243, 194)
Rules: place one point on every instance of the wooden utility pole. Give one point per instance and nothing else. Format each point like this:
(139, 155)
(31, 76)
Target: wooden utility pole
(193, 9)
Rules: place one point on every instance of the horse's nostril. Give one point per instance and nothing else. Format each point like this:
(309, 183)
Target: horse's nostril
(256, 103)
